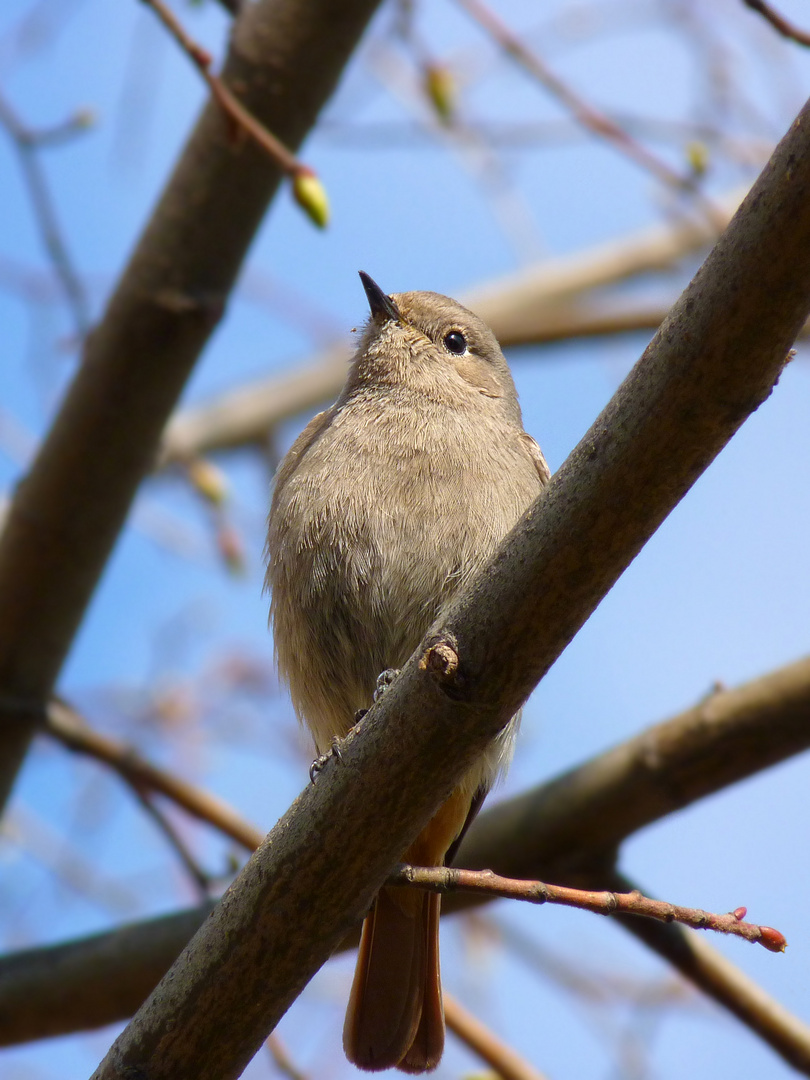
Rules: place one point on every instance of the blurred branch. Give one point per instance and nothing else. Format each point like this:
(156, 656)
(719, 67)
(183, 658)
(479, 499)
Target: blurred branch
(91, 981)
(69, 510)
(575, 819)
(506, 1062)
(595, 121)
(779, 22)
(281, 1059)
(200, 877)
(27, 144)
(66, 725)
(542, 303)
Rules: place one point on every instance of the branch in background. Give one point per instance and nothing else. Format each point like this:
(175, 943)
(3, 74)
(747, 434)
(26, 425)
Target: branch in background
(585, 114)
(520, 308)
(281, 1059)
(779, 22)
(72, 504)
(494, 1051)
(449, 879)
(27, 144)
(201, 879)
(307, 188)
(573, 820)
(66, 725)
(715, 360)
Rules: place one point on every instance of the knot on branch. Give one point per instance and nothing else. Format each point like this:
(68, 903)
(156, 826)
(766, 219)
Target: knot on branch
(441, 660)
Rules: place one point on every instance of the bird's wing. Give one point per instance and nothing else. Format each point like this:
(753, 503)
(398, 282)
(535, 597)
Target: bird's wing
(536, 454)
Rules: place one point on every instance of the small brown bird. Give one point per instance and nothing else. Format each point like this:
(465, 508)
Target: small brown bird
(388, 503)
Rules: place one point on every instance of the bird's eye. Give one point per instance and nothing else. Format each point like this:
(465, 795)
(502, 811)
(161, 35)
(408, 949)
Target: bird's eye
(455, 342)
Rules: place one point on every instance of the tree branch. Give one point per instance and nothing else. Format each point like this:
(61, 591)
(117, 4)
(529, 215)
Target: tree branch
(714, 361)
(451, 879)
(66, 725)
(286, 56)
(506, 1062)
(575, 819)
(779, 22)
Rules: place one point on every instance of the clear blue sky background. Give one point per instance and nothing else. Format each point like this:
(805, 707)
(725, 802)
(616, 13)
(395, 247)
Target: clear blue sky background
(720, 593)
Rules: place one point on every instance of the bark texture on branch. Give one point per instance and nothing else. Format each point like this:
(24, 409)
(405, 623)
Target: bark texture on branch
(714, 361)
(284, 62)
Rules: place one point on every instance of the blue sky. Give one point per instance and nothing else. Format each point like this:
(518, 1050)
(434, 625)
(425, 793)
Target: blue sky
(721, 593)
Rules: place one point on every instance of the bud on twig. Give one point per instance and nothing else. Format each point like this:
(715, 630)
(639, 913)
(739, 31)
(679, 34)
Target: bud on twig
(310, 194)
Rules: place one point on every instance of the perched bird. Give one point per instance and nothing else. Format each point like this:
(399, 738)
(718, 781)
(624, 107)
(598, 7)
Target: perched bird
(388, 503)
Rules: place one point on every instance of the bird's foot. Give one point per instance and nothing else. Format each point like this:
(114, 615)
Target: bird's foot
(384, 680)
(319, 763)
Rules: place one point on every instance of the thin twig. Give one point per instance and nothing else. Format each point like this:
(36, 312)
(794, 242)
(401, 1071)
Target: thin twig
(779, 22)
(229, 104)
(444, 879)
(483, 1042)
(200, 877)
(281, 1059)
(27, 143)
(584, 113)
(66, 725)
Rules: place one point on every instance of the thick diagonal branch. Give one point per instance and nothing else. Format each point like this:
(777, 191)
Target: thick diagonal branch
(715, 360)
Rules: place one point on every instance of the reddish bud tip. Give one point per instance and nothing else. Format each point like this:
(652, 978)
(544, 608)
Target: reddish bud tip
(740, 913)
(773, 940)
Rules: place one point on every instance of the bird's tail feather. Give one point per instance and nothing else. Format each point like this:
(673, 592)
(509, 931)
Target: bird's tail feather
(395, 1016)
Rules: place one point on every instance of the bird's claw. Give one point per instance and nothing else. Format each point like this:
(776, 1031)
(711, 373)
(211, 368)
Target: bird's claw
(319, 763)
(384, 680)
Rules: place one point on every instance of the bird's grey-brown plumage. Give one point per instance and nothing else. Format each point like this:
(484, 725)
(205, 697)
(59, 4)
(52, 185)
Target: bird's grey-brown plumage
(386, 505)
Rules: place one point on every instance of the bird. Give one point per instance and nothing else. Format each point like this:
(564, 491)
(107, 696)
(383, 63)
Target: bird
(387, 504)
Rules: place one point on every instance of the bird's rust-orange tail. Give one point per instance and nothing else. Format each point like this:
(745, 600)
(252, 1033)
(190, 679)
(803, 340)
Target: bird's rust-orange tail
(395, 1017)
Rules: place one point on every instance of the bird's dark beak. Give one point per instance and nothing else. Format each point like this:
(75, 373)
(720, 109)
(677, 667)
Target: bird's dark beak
(382, 306)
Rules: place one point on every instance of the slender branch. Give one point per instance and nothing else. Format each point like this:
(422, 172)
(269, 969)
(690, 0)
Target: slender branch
(75, 499)
(715, 360)
(506, 1062)
(281, 1059)
(447, 879)
(779, 22)
(227, 101)
(200, 877)
(723, 981)
(585, 114)
(27, 143)
(66, 725)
